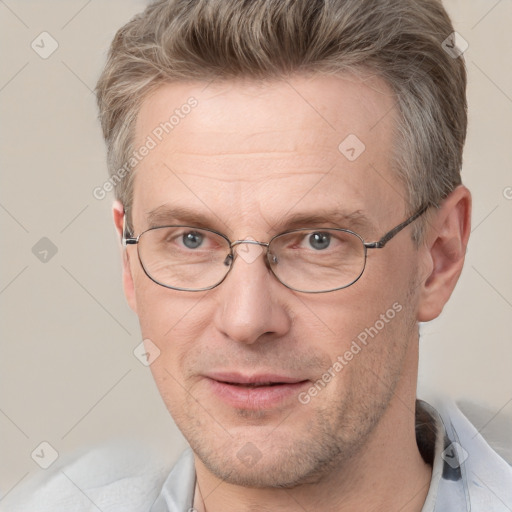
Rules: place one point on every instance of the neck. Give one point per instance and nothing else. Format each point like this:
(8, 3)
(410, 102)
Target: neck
(387, 474)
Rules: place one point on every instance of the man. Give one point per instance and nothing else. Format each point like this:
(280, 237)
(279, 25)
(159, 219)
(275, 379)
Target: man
(290, 206)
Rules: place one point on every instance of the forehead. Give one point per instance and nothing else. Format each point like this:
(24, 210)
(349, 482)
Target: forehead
(240, 149)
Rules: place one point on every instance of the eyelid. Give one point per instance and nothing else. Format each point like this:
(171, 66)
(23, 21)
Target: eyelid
(181, 230)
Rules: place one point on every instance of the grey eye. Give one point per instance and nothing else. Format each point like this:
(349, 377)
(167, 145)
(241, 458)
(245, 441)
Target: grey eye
(320, 241)
(192, 240)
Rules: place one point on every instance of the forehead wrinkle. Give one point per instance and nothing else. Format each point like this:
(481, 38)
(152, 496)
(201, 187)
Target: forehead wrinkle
(317, 159)
(254, 178)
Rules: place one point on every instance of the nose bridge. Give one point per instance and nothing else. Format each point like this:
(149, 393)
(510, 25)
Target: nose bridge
(248, 241)
(249, 307)
(249, 249)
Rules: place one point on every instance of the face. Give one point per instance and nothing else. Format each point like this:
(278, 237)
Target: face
(246, 158)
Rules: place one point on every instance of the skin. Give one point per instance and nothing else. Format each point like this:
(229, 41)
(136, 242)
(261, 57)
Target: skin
(248, 157)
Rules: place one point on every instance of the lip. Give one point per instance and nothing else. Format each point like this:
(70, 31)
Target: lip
(272, 389)
(257, 378)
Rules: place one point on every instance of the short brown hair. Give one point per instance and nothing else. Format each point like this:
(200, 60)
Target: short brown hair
(398, 40)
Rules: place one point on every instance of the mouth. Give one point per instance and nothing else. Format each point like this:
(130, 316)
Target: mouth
(254, 384)
(261, 391)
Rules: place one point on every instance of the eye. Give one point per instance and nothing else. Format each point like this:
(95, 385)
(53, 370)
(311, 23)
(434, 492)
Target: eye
(192, 239)
(319, 240)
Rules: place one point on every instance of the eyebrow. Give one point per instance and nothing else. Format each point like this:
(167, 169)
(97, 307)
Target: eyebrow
(327, 218)
(166, 215)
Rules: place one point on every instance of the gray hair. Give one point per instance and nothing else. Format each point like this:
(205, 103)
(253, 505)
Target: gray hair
(400, 41)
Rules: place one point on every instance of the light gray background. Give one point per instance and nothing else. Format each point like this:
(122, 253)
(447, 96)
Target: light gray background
(68, 373)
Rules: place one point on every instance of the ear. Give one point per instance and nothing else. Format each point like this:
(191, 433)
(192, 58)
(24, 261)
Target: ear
(446, 239)
(129, 289)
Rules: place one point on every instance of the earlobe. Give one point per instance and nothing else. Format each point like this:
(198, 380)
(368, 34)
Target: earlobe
(128, 285)
(445, 245)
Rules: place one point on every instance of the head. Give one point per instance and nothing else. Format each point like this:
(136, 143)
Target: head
(283, 109)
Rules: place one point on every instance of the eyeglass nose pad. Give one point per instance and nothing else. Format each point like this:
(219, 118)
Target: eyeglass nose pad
(272, 258)
(229, 260)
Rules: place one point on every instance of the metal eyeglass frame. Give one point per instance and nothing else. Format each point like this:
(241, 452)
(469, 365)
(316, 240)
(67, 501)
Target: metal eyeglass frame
(128, 240)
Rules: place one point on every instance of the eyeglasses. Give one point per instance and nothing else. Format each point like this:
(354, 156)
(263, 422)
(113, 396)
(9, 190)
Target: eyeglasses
(317, 260)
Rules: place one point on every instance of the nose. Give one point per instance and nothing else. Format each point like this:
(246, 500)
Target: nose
(251, 299)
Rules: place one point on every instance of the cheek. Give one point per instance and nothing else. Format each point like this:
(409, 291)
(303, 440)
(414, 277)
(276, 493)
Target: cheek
(158, 308)
(371, 317)
(172, 320)
(344, 314)
(166, 317)
(367, 349)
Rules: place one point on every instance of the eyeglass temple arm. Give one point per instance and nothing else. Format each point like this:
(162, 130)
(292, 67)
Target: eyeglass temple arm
(390, 234)
(126, 239)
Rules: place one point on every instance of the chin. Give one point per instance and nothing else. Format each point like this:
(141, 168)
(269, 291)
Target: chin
(272, 460)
